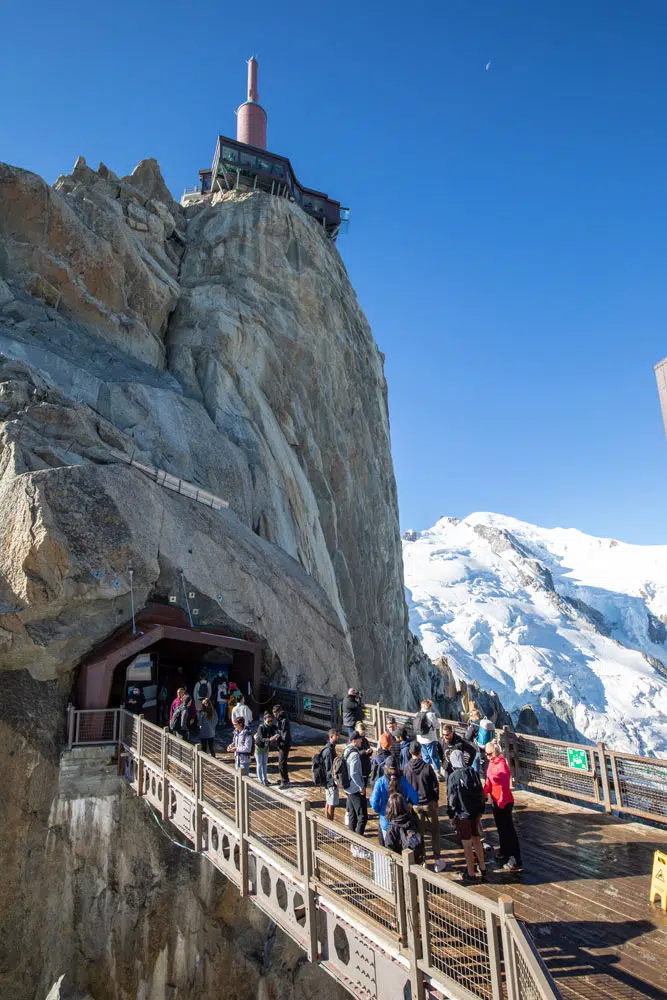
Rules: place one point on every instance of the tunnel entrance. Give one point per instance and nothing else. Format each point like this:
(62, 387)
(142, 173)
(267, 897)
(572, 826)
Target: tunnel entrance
(164, 653)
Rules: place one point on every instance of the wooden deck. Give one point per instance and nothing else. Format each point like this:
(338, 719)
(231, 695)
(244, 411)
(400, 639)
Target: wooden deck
(583, 892)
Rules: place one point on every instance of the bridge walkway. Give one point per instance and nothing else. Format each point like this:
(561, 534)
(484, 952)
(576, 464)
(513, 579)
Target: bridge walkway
(583, 892)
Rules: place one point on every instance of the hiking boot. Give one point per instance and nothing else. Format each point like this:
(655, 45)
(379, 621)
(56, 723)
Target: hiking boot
(512, 866)
(468, 879)
(487, 846)
(283, 785)
(439, 865)
(482, 874)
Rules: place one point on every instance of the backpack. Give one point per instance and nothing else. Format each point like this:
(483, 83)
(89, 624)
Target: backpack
(342, 771)
(486, 732)
(471, 793)
(319, 770)
(423, 724)
(412, 840)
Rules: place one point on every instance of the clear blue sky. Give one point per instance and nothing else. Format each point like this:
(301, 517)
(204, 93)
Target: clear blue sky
(509, 226)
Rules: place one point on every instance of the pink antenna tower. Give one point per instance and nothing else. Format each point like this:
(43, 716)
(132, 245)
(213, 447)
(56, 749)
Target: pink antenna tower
(251, 116)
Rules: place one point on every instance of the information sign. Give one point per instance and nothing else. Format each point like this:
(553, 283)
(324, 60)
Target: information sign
(577, 759)
(306, 704)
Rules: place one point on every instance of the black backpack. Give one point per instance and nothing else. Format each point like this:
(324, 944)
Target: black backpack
(412, 840)
(319, 770)
(424, 724)
(471, 793)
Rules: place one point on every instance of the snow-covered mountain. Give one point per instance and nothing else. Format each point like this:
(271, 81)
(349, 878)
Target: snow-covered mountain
(571, 624)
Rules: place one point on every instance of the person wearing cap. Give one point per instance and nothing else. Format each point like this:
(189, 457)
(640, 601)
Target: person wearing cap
(353, 711)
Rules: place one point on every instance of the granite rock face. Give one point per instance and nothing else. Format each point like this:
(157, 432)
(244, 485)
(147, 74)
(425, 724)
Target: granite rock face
(224, 344)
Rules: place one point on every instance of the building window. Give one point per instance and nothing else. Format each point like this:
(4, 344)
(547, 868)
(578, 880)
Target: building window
(230, 154)
(248, 160)
(279, 170)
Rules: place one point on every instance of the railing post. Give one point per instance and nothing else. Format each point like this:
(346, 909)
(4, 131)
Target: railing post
(242, 819)
(70, 726)
(512, 755)
(196, 780)
(492, 922)
(334, 711)
(140, 753)
(606, 790)
(414, 940)
(306, 868)
(506, 909)
(165, 776)
(617, 784)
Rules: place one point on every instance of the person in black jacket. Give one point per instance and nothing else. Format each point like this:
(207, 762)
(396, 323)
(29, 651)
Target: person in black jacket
(328, 756)
(403, 832)
(385, 755)
(365, 751)
(424, 780)
(283, 738)
(353, 710)
(465, 805)
(452, 741)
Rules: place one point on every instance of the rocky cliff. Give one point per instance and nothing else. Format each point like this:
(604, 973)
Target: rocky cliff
(224, 344)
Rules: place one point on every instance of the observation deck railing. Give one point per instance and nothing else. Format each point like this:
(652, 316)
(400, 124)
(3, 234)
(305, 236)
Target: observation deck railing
(381, 925)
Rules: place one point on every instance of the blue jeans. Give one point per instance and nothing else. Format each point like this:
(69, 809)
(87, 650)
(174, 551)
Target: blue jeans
(262, 760)
(242, 766)
(431, 755)
(350, 730)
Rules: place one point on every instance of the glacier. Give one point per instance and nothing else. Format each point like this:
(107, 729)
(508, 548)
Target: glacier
(573, 625)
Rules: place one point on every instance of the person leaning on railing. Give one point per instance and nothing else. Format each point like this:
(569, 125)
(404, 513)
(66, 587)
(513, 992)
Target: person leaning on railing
(283, 739)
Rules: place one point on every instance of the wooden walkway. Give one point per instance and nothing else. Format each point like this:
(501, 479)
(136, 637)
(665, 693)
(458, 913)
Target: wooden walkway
(583, 892)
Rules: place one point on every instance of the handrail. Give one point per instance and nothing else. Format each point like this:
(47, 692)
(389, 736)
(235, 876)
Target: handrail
(434, 932)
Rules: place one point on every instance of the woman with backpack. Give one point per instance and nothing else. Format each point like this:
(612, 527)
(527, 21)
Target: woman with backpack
(427, 730)
(208, 720)
(390, 783)
(402, 830)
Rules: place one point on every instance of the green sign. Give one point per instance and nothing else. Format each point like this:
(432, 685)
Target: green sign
(577, 759)
(306, 704)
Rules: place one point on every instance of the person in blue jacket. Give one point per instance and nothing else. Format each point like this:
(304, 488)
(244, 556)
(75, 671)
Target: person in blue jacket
(391, 781)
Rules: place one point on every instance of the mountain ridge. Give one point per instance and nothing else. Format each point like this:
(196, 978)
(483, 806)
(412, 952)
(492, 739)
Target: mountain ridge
(566, 622)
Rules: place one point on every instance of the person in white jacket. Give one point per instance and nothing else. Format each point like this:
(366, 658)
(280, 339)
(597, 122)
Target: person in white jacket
(241, 711)
(427, 732)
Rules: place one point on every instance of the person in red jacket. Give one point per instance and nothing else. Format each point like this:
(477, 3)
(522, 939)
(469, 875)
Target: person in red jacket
(502, 802)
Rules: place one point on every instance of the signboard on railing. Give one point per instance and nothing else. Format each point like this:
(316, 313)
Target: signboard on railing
(306, 704)
(577, 759)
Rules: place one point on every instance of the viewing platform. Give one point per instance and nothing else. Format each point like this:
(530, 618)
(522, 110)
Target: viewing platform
(575, 923)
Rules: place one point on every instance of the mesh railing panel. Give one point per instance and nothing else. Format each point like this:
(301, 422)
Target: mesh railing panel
(642, 786)
(405, 720)
(152, 743)
(358, 895)
(377, 866)
(129, 729)
(95, 726)
(372, 733)
(528, 988)
(550, 753)
(274, 824)
(458, 945)
(568, 782)
(179, 759)
(218, 787)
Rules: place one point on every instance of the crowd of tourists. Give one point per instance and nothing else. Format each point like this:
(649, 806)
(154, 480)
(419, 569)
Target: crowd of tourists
(398, 778)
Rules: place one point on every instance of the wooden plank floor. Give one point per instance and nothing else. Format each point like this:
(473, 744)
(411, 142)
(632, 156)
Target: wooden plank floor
(583, 892)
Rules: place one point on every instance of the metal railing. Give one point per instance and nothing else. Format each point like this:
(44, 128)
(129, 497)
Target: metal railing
(591, 774)
(310, 874)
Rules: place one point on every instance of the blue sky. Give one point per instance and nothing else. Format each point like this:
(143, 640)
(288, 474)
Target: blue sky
(508, 226)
